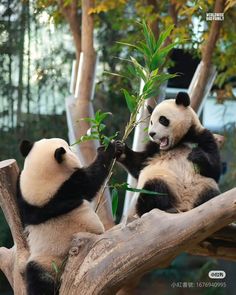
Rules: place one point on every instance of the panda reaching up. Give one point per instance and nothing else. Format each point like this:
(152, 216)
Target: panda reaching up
(181, 162)
(53, 195)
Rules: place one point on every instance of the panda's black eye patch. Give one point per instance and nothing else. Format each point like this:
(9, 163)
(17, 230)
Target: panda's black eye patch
(164, 121)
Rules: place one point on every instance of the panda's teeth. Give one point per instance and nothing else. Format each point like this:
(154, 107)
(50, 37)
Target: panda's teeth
(164, 141)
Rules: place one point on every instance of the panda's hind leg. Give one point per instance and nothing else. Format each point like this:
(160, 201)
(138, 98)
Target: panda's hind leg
(163, 200)
(206, 195)
(39, 281)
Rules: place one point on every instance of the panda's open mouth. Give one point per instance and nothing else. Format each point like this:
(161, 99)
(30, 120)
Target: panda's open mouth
(164, 142)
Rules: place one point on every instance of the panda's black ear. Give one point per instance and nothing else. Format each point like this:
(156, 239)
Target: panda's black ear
(182, 98)
(25, 147)
(150, 109)
(58, 155)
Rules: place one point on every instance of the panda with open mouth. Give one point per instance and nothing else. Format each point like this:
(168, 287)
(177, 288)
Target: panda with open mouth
(181, 162)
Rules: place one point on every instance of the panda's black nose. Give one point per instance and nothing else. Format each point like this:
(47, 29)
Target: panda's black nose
(152, 134)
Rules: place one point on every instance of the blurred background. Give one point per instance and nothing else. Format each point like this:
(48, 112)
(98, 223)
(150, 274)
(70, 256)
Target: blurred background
(37, 50)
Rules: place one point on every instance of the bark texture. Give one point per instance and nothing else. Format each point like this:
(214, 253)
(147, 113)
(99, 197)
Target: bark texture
(121, 254)
(102, 264)
(12, 261)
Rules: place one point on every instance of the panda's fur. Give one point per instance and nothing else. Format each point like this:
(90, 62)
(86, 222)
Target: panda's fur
(184, 175)
(53, 196)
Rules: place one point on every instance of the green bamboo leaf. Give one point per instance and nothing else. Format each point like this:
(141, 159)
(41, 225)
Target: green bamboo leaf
(130, 101)
(131, 69)
(139, 69)
(55, 267)
(115, 198)
(136, 190)
(148, 85)
(149, 37)
(145, 49)
(163, 36)
(126, 44)
(115, 74)
(159, 57)
(152, 93)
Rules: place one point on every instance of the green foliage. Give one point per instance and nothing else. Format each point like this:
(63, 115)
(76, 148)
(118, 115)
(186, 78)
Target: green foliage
(55, 267)
(115, 199)
(97, 128)
(154, 54)
(116, 187)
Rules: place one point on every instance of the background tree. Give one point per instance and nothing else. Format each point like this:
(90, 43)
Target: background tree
(46, 90)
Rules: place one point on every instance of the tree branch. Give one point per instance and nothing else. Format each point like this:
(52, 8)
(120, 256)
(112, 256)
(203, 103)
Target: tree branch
(12, 261)
(207, 53)
(7, 263)
(216, 249)
(121, 254)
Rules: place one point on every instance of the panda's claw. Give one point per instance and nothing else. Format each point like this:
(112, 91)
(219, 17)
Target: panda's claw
(197, 155)
(120, 148)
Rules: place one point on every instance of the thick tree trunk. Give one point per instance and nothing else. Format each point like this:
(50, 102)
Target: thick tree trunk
(101, 264)
(207, 53)
(70, 12)
(104, 263)
(81, 107)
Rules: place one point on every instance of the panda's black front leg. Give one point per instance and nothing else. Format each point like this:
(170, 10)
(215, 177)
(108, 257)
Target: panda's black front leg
(39, 281)
(133, 161)
(206, 155)
(98, 171)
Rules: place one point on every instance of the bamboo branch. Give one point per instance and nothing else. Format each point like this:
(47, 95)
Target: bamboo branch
(121, 254)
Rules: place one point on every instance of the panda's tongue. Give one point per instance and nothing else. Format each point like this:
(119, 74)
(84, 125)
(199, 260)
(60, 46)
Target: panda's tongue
(164, 141)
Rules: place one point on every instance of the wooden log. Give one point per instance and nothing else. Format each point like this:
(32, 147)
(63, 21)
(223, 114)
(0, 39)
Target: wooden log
(12, 261)
(121, 254)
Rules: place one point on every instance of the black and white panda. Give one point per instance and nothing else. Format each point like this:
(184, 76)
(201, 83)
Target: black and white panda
(53, 194)
(181, 162)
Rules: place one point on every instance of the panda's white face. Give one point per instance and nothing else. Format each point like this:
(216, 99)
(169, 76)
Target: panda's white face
(48, 163)
(169, 123)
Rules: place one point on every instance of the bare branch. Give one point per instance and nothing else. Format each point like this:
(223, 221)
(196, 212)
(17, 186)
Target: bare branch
(124, 253)
(216, 249)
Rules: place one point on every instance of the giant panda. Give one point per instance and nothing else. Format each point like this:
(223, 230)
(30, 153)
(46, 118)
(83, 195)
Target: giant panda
(181, 162)
(53, 195)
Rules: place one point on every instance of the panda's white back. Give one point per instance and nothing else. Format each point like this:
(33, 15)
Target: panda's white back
(53, 237)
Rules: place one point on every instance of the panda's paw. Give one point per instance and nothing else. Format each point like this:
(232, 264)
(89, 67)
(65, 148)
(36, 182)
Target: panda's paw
(120, 149)
(107, 150)
(197, 156)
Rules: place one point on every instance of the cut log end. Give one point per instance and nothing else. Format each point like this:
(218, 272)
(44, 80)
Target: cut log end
(7, 163)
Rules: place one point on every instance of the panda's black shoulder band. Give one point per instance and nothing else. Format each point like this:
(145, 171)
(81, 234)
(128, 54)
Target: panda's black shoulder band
(25, 147)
